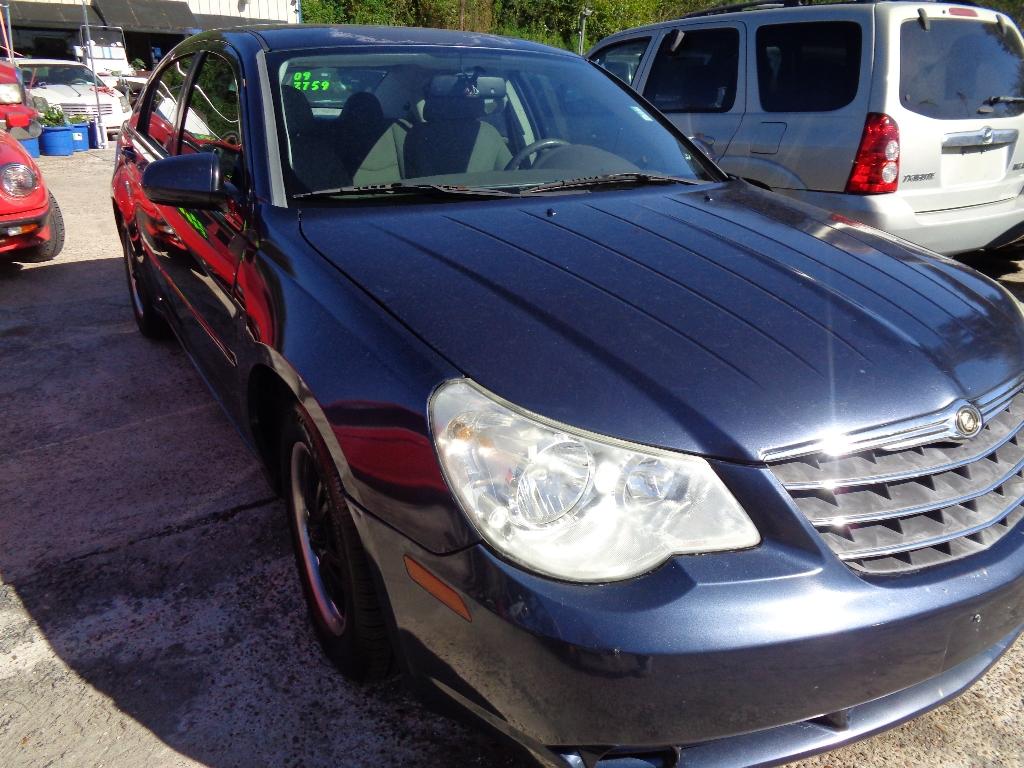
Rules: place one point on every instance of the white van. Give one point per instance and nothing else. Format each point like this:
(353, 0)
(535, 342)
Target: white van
(906, 116)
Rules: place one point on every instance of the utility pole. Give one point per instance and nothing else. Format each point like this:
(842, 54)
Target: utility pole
(10, 31)
(462, 15)
(585, 14)
(101, 132)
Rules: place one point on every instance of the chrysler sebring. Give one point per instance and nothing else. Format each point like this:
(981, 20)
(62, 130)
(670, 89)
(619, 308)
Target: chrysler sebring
(634, 462)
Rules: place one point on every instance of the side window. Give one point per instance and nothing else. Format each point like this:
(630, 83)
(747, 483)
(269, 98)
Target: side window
(622, 59)
(165, 103)
(213, 123)
(808, 67)
(695, 71)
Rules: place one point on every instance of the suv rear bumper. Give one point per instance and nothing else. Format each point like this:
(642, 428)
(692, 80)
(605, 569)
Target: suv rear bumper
(952, 231)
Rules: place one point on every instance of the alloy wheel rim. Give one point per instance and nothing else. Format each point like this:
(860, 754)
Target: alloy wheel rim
(318, 541)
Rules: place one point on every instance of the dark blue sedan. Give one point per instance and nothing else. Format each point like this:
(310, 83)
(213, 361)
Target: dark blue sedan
(637, 463)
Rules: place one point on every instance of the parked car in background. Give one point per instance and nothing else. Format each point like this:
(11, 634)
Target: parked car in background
(637, 463)
(73, 87)
(906, 116)
(31, 225)
(15, 113)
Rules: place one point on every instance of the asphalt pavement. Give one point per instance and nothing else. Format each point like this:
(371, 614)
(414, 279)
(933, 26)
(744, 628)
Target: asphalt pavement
(149, 609)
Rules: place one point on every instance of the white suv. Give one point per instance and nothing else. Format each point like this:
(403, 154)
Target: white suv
(72, 87)
(906, 116)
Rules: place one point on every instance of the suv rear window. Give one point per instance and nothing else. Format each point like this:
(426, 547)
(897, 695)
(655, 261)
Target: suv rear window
(809, 67)
(950, 70)
(695, 71)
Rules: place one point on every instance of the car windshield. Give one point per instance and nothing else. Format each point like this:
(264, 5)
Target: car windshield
(447, 117)
(58, 74)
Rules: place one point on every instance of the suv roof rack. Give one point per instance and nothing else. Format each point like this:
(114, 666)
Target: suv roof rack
(764, 5)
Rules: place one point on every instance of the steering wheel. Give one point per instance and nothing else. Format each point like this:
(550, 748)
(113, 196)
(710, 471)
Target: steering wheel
(541, 145)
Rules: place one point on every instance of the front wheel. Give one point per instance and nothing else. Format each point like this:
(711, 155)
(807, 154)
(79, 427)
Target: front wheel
(151, 323)
(55, 244)
(333, 566)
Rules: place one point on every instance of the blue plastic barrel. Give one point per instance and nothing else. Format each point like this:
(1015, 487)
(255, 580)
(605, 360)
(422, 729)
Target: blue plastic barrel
(31, 146)
(80, 136)
(56, 140)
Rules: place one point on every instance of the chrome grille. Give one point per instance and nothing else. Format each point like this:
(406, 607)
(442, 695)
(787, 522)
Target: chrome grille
(88, 110)
(890, 508)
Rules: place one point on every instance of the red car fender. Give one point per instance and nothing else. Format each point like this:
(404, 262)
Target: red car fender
(11, 151)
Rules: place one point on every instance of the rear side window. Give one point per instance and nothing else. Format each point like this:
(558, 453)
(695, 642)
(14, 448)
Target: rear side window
(622, 59)
(810, 67)
(695, 71)
(957, 68)
(166, 102)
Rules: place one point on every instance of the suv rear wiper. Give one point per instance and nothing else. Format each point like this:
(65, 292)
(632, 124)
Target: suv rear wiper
(629, 177)
(384, 190)
(991, 101)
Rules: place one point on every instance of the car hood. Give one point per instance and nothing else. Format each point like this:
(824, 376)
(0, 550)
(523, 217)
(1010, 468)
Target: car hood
(719, 320)
(70, 93)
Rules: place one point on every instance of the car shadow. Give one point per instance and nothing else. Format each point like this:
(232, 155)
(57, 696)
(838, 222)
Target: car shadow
(149, 607)
(999, 265)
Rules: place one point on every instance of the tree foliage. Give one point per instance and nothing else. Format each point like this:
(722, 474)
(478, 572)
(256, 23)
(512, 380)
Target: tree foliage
(555, 22)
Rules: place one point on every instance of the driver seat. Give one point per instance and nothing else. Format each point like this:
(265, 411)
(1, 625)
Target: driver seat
(453, 139)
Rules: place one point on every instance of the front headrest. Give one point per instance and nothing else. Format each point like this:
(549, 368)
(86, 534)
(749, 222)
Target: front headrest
(298, 114)
(460, 97)
(362, 108)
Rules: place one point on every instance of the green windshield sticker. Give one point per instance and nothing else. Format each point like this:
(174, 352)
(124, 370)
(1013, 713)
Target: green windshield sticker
(304, 81)
(193, 221)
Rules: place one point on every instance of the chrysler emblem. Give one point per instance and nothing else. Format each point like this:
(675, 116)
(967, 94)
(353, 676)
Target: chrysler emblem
(968, 421)
(987, 135)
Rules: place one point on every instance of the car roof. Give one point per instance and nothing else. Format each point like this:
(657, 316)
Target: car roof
(783, 9)
(21, 62)
(316, 36)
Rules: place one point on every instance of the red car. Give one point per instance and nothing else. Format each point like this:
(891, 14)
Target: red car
(31, 225)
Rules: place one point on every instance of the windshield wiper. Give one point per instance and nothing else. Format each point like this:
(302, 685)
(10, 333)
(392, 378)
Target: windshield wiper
(991, 101)
(397, 190)
(628, 177)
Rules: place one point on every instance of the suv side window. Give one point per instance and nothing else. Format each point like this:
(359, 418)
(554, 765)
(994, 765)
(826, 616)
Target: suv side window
(695, 71)
(622, 59)
(808, 67)
(213, 123)
(158, 122)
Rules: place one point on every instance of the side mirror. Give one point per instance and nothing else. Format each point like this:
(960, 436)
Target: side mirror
(186, 181)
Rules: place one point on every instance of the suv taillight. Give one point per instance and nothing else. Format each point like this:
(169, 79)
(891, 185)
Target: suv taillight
(877, 167)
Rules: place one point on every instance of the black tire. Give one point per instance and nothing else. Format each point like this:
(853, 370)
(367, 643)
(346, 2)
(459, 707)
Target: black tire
(52, 247)
(333, 567)
(151, 323)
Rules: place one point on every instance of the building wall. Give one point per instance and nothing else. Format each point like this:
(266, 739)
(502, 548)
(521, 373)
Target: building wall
(273, 10)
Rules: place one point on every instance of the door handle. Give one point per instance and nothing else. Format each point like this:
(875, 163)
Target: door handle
(128, 152)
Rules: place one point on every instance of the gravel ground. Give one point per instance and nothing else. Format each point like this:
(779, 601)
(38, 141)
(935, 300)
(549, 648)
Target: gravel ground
(149, 613)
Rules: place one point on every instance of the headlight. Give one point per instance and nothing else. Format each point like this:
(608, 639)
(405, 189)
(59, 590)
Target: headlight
(18, 179)
(10, 93)
(574, 505)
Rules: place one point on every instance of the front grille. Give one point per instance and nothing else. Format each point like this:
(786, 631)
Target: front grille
(88, 110)
(894, 509)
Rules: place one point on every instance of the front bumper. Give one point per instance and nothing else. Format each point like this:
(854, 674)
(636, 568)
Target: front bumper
(727, 657)
(35, 221)
(949, 232)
